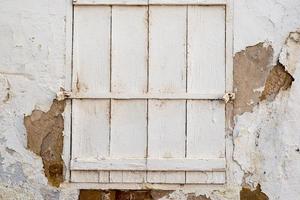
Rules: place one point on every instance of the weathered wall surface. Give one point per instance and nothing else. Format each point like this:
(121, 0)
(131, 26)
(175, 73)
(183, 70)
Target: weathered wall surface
(263, 152)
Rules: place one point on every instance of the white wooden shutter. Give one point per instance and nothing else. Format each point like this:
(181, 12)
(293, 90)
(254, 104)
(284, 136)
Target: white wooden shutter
(148, 82)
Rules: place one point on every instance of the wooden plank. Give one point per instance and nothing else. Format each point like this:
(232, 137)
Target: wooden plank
(166, 125)
(205, 130)
(167, 50)
(127, 177)
(84, 176)
(109, 164)
(166, 133)
(110, 2)
(187, 2)
(162, 96)
(165, 177)
(205, 177)
(103, 176)
(151, 2)
(128, 121)
(91, 68)
(151, 164)
(129, 49)
(206, 49)
(129, 75)
(90, 135)
(68, 86)
(229, 45)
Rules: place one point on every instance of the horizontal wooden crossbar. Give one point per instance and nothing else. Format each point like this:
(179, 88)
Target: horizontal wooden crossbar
(150, 2)
(184, 164)
(149, 96)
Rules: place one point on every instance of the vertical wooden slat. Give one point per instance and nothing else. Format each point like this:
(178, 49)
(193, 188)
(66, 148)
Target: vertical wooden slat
(167, 49)
(129, 49)
(206, 74)
(90, 129)
(167, 74)
(90, 132)
(166, 136)
(91, 75)
(206, 49)
(129, 75)
(205, 131)
(91, 50)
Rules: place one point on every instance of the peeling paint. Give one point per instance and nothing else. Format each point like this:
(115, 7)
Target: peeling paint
(45, 138)
(251, 67)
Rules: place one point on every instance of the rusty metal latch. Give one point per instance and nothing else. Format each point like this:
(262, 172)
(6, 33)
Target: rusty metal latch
(228, 97)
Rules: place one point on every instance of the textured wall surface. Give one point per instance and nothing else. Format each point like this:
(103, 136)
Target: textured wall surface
(264, 150)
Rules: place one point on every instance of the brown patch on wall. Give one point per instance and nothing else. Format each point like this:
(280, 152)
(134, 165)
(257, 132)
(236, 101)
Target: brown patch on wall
(251, 68)
(278, 79)
(45, 138)
(123, 195)
(257, 194)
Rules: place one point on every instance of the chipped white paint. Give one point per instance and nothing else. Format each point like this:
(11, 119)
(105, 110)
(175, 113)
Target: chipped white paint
(32, 64)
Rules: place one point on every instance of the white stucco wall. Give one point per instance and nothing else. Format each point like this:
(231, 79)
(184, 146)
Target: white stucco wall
(32, 68)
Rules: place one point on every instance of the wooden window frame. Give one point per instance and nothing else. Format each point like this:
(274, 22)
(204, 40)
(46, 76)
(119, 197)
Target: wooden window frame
(68, 87)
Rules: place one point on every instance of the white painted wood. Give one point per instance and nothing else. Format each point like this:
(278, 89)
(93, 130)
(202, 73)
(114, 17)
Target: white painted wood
(84, 176)
(205, 135)
(229, 45)
(206, 49)
(68, 85)
(91, 68)
(129, 49)
(167, 50)
(90, 136)
(128, 134)
(166, 133)
(142, 186)
(150, 164)
(108, 164)
(151, 2)
(205, 129)
(127, 177)
(166, 177)
(103, 176)
(167, 74)
(128, 122)
(187, 2)
(162, 96)
(129, 75)
(167, 84)
(186, 164)
(205, 177)
(110, 2)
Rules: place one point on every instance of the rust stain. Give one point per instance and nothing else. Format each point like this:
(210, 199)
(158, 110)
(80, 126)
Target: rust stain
(45, 138)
